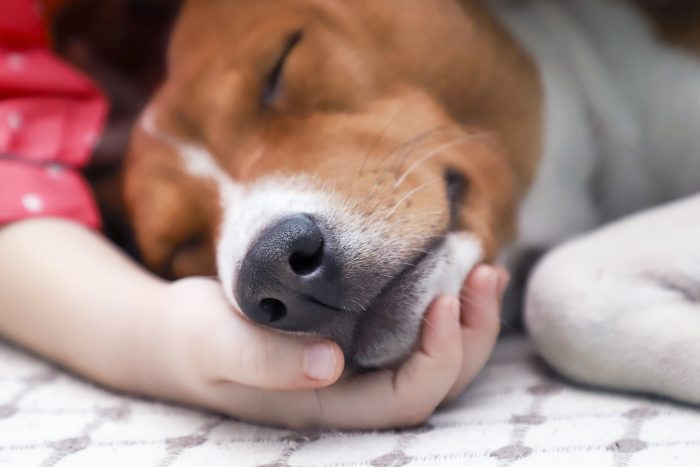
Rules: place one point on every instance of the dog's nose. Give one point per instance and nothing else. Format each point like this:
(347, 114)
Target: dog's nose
(290, 277)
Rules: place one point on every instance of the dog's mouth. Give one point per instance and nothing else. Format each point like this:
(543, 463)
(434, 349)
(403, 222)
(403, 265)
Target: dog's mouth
(406, 276)
(380, 331)
(384, 332)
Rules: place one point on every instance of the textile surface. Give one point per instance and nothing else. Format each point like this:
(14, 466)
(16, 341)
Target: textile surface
(517, 413)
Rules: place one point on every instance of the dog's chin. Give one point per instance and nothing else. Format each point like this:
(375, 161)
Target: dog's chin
(388, 330)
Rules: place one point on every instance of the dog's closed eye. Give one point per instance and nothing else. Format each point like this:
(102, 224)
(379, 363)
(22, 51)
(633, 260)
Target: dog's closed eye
(457, 186)
(272, 87)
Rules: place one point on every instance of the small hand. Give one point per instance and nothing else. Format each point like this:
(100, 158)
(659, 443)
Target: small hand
(203, 356)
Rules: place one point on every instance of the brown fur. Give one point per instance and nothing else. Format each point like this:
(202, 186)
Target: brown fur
(366, 80)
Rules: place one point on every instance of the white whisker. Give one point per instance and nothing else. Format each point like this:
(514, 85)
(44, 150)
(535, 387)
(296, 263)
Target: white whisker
(409, 194)
(362, 307)
(429, 155)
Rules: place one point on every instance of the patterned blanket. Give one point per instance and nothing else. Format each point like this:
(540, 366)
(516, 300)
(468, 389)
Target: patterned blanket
(516, 414)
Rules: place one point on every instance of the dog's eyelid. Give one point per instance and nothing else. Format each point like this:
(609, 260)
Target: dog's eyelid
(271, 86)
(457, 183)
(457, 186)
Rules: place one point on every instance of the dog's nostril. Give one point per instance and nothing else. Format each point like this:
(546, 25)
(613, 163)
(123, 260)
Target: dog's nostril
(290, 278)
(274, 309)
(303, 263)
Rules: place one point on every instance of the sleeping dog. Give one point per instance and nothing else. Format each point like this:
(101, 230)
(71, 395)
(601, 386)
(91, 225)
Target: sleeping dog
(340, 164)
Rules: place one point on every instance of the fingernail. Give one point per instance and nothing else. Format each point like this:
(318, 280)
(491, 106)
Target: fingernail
(492, 278)
(503, 281)
(319, 362)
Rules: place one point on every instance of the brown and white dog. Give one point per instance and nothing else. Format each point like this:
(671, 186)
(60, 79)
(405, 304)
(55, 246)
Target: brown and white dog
(340, 163)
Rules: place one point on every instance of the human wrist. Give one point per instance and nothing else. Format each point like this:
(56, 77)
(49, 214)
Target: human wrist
(139, 342)
(161, 362)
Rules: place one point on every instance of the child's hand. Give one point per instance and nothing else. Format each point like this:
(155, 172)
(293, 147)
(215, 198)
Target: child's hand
(193, 339)
(197, 351)
(107, 319)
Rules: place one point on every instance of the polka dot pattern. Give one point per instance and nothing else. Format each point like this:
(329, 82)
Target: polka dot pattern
(30, 190)
(51, 118)
(33, 203)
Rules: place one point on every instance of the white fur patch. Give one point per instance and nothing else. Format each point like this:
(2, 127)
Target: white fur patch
(461, 252)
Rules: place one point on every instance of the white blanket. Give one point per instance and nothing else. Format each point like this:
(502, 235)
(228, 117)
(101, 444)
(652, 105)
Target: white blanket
(516, 413)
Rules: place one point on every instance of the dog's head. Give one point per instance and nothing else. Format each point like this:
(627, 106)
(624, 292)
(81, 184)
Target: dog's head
(337, 163)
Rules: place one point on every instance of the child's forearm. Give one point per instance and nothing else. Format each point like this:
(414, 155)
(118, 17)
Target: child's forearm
(67, 294)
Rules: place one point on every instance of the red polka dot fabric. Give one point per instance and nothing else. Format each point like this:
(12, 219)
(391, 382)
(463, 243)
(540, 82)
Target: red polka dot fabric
(50, 120)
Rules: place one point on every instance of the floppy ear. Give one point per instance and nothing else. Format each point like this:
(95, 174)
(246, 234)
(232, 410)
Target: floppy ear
(173, 214)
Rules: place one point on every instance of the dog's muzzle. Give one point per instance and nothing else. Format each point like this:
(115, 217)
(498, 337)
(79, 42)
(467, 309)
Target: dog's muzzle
(291, 278)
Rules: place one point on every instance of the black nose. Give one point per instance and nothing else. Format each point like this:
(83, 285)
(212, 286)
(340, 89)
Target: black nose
(290, 278)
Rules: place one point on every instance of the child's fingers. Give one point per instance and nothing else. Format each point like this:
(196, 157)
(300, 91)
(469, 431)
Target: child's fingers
(264, 359)
(376, 400)
(481, 317)
(228, 348)
(408, 396)
(441, 332)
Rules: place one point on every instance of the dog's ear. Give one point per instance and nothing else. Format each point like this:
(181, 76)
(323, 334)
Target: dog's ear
(173, 214)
